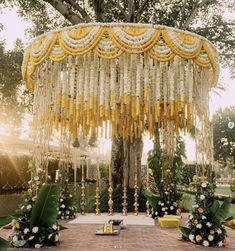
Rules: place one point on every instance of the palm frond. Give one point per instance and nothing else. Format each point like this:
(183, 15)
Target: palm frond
(152, 199)
(44, 212)
(185, 231)
(222, 212)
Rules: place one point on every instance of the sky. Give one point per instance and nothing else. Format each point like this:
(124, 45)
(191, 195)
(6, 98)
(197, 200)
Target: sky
(14, 27)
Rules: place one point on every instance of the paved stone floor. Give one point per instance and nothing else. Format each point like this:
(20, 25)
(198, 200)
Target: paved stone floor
(135, 238)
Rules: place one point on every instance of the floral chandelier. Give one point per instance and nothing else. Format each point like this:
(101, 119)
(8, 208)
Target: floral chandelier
(128, 74)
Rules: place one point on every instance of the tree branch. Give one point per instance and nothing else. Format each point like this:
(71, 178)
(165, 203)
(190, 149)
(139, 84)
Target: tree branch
(99, 9)
(81, 10)
(119, 7)
(141, 9)
(65, 11)
(194, 13)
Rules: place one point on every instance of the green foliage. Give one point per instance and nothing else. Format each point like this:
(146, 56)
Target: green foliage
(5, 220)
(10, 87)
(118, 200)
(221, 213)
(185, 231)
(224, 137)
(4, 245)
(152, 198)
(44, 211)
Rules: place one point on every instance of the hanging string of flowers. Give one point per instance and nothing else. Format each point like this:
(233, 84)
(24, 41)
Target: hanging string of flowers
(128, 74)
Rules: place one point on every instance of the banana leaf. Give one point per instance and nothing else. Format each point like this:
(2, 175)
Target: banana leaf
(4, 220)
(4, 245)
(185, 231)
(152, 199)
(222, 212)
(44, 212)
(215, 206)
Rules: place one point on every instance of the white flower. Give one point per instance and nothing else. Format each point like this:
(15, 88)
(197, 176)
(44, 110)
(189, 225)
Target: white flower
(190, 217)
(191, 237)
(61, 200)
(171, 208)
(39, 170)
(54, 226)
(63, 206)
(26, 230)
(59, 212)
(219, 231)
(15, 238)
(202, 197)
(36, 178)
(67, 212)
(156, 213)
(210, 237)
(208, 224)
(62, 217)
(195, 206)
(205, 243)
(220, 244)
(22, 208)
(29, 207)
(203, 217)
(159, 202)
(56, 238)
(35, 230)
(67, 217)
(70, 196)
(204, 184)
(163, 209)
(162, 204)
(166, 212)
(199, 226)
(37, 245)
(30, 182)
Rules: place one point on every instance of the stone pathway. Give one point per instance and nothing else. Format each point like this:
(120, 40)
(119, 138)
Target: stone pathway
(81, 237)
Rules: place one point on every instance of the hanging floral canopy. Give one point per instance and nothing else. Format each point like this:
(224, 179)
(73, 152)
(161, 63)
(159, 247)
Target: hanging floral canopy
(132, 75)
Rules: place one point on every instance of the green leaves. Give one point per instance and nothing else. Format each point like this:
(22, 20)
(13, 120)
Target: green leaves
(152, 199)
(220, 212)
(44, 212)
(4, 245)
(5, 220)
(185, 231)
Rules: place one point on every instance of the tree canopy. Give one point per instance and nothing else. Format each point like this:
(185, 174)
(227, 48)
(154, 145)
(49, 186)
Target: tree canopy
(224, 136)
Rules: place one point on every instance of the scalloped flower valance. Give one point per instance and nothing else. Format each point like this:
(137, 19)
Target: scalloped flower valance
(125, 73)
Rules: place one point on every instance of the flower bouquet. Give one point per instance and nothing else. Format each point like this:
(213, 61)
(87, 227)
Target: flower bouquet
(205, 225)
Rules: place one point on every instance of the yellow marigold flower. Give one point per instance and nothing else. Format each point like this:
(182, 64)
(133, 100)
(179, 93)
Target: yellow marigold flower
(195, 222)
(198, 238)
(17, 225)
(31, 237)
(226, 242)
(212, 232)
(34, 198)
(200, 210)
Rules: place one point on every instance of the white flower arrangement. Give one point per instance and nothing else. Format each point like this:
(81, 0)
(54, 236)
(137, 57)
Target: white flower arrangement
(210, 237)
(209, 224)
(26, 230)
(204, 184)
(191, 237)
(35, 230)
(29, 207)
(202, 197)
(199, 226)
(205, 243)
(38, 246)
